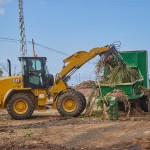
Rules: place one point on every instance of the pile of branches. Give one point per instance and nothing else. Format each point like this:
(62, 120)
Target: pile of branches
(112, 71)
(145, 91)
(119, 94)
(84, 85)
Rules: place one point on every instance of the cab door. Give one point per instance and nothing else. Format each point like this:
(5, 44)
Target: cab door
(33, 73)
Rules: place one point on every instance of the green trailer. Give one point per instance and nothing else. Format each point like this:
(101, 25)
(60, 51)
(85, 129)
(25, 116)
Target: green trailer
(139, 61)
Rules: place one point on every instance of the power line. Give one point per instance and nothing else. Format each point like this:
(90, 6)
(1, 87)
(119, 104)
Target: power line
(9, 39)
(29, 42)
(5, 39)
(54, 50)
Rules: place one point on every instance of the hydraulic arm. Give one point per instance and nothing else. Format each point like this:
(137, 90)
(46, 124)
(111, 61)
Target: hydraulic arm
(74, 62)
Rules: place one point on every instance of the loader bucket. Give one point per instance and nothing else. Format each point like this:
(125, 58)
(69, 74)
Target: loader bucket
(111, 53)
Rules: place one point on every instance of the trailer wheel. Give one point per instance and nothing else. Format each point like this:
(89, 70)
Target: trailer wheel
(70, 104)
(20, 107)
(145, 104)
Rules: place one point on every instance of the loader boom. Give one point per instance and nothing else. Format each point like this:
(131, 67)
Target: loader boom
(78, 59)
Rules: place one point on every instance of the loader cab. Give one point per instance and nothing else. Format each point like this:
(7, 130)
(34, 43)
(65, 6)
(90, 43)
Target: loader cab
(34, 72)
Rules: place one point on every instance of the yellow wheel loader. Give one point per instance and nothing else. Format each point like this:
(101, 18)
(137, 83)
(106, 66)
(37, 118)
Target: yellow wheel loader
(23, 94)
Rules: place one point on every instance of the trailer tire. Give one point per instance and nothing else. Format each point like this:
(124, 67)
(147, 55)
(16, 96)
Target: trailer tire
(69, 104)
(20, 107)
(145, 104)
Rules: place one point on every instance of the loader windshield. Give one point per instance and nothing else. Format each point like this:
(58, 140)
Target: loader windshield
(33, 71)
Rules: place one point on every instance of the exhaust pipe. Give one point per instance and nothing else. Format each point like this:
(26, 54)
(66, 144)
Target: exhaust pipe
(9, 67)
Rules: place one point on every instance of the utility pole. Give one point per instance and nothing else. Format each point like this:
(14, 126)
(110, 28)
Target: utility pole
(23, 45)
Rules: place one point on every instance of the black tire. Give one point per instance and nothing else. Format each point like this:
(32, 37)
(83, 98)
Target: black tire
(73, 111)
(121, 106)
(144, 104)
(25, 102)
(83, 99)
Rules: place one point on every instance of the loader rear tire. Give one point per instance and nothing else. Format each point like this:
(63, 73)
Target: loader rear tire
(20, 107)
(70, 104)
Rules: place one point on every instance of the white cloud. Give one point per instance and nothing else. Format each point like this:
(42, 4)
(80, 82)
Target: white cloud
(2, 11)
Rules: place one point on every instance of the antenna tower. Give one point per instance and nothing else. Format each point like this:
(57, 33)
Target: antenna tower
(23, 46)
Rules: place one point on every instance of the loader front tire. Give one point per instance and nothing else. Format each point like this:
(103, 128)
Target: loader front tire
(20, 107)
(83, 99)
(70, 104)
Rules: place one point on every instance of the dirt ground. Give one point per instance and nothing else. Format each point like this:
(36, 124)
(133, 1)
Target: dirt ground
(48, 130)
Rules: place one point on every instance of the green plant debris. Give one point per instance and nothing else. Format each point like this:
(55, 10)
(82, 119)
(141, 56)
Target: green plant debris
(113, 71)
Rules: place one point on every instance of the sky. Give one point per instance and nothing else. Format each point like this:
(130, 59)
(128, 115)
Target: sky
(69, 26)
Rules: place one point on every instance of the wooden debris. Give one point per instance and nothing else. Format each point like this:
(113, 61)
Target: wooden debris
(114, 72)
(84, 85)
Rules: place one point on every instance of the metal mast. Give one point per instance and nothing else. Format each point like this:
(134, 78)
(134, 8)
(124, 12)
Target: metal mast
(23, 46)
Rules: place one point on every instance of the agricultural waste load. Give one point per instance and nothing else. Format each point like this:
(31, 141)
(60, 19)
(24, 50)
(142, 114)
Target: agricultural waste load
(112, 71)
(84, 85)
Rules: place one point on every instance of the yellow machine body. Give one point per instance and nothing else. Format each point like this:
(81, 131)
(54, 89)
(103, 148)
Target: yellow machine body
(7, 84)
(13, 85)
